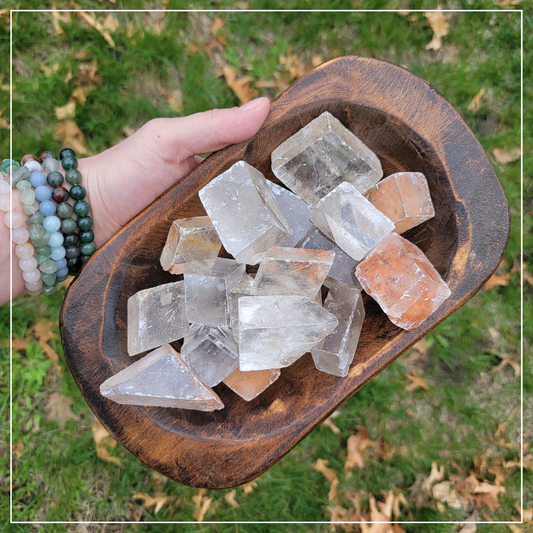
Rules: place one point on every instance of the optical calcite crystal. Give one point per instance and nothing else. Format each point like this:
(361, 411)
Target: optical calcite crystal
(404, 198)
(274, 331)
(192, 244)
(244, 212)
(349, 219)
(243, 288)
(343, 267)
(249, 385)
(292, 271)
(156, 316)
(320, 156)
(211, 353)
(335, 353)
(398, 275)
(161, 379)
(295, 210)
(206, 292)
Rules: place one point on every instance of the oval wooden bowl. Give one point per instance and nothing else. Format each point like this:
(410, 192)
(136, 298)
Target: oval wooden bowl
(411, 127)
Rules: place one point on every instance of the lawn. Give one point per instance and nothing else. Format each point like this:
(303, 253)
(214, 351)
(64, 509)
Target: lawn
(443, 451)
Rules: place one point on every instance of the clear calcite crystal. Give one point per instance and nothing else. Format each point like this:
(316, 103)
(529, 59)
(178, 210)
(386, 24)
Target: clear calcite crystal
(343, 268)
(243, 288)
(211, 353)
(244, 212)
(295, 210)
(404, 198)
(274, 331)
(192, 244)
(249, 385)
(349, 219)
(206, 292)
(320, 156)
(335, 353)
(398, 275)
(292, 271)
(161, 379)
(156, 316)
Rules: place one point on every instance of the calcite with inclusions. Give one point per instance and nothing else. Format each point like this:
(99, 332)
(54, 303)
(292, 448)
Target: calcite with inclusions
(206, 292)
(349, 219)
(398, 275)
(244, 212)
(243, 288)
(403, 197)
(335, 353)
(211, 353)
(320, 156)
(161, 379)
(156, 316)
(292, 271)
(192, 244)
(275, 331)
(249, 385)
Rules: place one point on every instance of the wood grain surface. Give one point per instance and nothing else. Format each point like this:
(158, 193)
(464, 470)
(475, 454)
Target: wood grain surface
(411, 127)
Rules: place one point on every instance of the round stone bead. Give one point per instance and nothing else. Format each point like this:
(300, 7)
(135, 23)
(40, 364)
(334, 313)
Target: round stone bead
(72, 239)
(87, 236)
(60, 195)
(72, 251)
(27, 197)
(5, 203)
(36, 231)
(65, 210)
(62, 263)
(62, 274)
(28, 157)
(36, 218)
(50, 290)
(68, 225)
(77, 192)
(67, 152)
(68, 162)
(30, 209)
(74, 265)
(73, 176)
(22, 185)
(37, 178)
(27, 265)
(20, 235)
(35, 286)
(56, 239)
(13, 219)
(52, 224)
(42, 193)
(32, 276)
(84, 259)
(49, 279)
(58, 253)
(33, 166)
(5, 188)
(55, 179)
(6, 163)
(51, 165)
(48, 267)
(47, 208)
(41, 258)
(85, 223)
(47, 155)
(41, 241)
(88, 248)
(81, 208)
(45, 250)
(35, 293)
(24, 251)
(22, 173)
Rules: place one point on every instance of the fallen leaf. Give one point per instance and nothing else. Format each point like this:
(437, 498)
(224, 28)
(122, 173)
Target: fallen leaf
(417, 351)
(175, 100)
(419, 495)
(105, 30)
(230, 498)
(128, 130)
(484, 499)
(436, 475)
(103, 441)
(66, 111)
(43, 333)
(507, 360)
(48, 71)
(279, 82)
(202, 504)
(416, 381)
(59, 407)
(329, 424)
(216, 26)
(137, 511)
(515, 529)
(82, 54)
(376, 516)
(330, 475)
(240, 86)
(57, 17)
(248, 487)
(444, 492)
(503, 157)
(354, 447)
(438, 22)
(480, 461)
(500, 442)
(475, 104)
(496, 281)
(316, 60)
(79, 95)
(293, 66)
(159, 499)
(470, 525)
(18, 449)
(68, 133)
(18, 344)
(87, 75)
(157, 479)
(403, 12)
(505, 3)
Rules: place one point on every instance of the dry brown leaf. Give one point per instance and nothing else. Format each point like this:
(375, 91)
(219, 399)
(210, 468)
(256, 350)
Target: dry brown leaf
(500, 442)
(59, 407)
(157, 479)
(418, 495)
(175, 100)
(316, 60)
(202, 504)
(18, 449)
(43, 333)
(249, 487)
(484, 499)
(497, 281)
(507, 360)
(490, 490)
(18, 344)
(48, 71)
(78, 96)
(103, 441)
(375, 516)
(416, 381)
(470, 525)
(105, 30)
(230, 498)
(128, 130)
(503, 157)
(505, 3)
(438, 22)
(240, 86)
(403, 12)
(103, 453)
(329, 424)
(137, 511)
(69, 134)
(417, 351)
(293, 66)
(159, 499)
(82, 55)
(480, 461)
(66, 111)
(58, 17)
(87, 77)
(330, 475)
(436, 475)
(216, 26)
(354, 447)
(515, 529)
(475, 104)
(280, 83)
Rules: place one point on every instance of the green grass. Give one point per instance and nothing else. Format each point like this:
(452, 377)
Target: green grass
(59, 477)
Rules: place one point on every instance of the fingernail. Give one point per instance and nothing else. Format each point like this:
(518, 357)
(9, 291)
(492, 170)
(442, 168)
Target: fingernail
(252, 104)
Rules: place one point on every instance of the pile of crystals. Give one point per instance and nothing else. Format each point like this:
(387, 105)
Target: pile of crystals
(338, 227)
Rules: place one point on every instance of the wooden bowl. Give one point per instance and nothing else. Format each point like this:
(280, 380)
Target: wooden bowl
(411, 127)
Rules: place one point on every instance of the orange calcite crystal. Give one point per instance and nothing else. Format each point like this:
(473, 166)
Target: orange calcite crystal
(249, 385)
(404, 197)
(398, 275)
